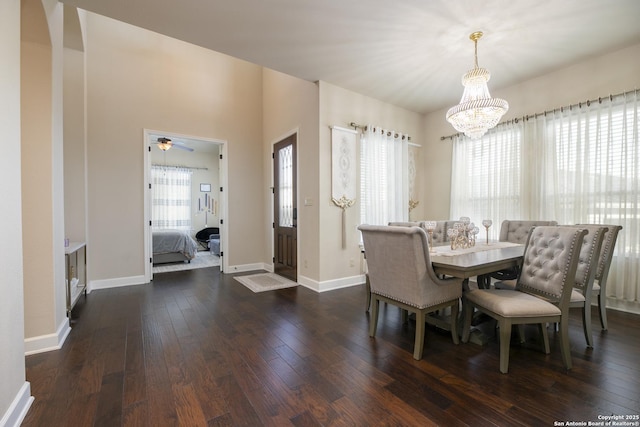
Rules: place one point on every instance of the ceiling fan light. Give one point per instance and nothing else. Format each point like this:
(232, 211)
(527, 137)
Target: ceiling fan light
(164, 144)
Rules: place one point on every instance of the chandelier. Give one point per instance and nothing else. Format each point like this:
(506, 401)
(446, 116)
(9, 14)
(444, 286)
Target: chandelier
(477, 111)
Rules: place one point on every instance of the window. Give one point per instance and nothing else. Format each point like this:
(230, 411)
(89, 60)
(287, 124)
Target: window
(573, 165)
(171, 197)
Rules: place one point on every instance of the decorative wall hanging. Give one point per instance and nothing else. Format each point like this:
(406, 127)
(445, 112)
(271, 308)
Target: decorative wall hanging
(412, 179)
(343, 172)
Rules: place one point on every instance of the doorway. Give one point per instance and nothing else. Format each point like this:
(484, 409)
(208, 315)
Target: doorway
(285, 235)
(206, 202)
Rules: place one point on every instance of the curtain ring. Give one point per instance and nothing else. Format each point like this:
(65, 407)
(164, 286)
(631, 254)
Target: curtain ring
(588, 103)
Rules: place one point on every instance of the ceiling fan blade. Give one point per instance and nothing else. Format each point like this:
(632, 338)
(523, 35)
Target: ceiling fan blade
(182, 147)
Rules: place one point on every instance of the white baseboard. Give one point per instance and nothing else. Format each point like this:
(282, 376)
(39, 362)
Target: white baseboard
(18, 408)
(48, 342)
(248, 267)
(622, 305)
(117, 282)
(331, 285)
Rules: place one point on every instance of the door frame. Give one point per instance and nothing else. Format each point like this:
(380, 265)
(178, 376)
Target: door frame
(224, 197)
(294, 131)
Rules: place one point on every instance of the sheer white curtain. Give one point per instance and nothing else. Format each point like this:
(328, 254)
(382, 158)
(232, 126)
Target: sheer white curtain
(384, 177)
(486, 176)
(597, 179)
(171, 197)
(578, 164)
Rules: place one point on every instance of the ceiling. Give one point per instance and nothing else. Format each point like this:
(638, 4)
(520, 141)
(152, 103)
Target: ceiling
(410, 53)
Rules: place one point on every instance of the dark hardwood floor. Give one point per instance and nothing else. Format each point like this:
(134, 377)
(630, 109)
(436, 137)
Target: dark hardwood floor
(197, 348)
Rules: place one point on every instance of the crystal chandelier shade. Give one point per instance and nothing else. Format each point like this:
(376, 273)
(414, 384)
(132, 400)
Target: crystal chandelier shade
(477, 111)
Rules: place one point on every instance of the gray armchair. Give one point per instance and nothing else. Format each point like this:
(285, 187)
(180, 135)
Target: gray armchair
(542, 292)
(400, 273)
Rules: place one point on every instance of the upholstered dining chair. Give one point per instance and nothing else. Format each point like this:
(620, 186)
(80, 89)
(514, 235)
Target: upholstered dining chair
(542, 293)
(602, 273)
(515, 231)
(585, 276)
(400, 273)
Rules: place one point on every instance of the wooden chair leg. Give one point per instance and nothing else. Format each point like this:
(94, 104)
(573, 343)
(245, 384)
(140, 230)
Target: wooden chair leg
(545, 338)
(586, 324)
(419, 341)
(373, 322)
(564, 343)
(505, 342)
(602, 309)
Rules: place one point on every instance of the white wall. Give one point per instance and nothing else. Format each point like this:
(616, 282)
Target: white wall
(139, 80)
(14, 390)
(613, 73)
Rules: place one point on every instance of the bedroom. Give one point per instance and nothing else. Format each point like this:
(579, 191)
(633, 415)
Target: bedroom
(184, 173)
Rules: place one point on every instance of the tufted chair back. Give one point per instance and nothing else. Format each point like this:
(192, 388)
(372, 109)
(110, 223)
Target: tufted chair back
(440, 232)
(549, 264)
(589, 256)
(606, 254)
(516, 231)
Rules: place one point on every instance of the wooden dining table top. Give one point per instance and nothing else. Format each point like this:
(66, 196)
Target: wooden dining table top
(466, 264)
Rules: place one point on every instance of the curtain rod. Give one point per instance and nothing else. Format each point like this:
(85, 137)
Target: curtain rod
(357, 126)
(561, 109)
(179, 167)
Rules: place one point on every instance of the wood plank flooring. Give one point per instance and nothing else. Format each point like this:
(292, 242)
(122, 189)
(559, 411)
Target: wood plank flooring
(196, 348)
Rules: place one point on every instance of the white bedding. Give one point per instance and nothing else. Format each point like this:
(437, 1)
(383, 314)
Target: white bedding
(171, 241)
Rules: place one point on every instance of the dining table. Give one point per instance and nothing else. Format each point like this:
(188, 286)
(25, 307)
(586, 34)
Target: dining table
(477, 261)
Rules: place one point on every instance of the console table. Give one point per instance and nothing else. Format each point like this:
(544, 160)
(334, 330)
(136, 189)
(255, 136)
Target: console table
(76, 284)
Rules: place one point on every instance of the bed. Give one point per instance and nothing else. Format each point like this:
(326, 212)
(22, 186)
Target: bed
(173, 246)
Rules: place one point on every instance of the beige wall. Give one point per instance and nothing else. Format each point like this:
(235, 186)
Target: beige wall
(141, 80)
(36, 187)
(12, 369)
(42, 177)
(612, 73)
(339, 107)
(291, 105)
(74, 146)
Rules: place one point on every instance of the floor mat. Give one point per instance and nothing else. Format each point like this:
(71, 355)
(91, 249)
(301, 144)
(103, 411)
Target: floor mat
(265, 282)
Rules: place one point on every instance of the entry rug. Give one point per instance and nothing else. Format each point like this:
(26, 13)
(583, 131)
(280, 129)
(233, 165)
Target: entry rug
(203, 259)
(265, 282)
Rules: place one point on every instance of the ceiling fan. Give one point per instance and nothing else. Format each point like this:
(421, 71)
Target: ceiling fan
(165, 144)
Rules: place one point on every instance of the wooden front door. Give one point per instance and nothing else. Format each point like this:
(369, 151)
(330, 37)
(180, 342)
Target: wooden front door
(285, 214)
